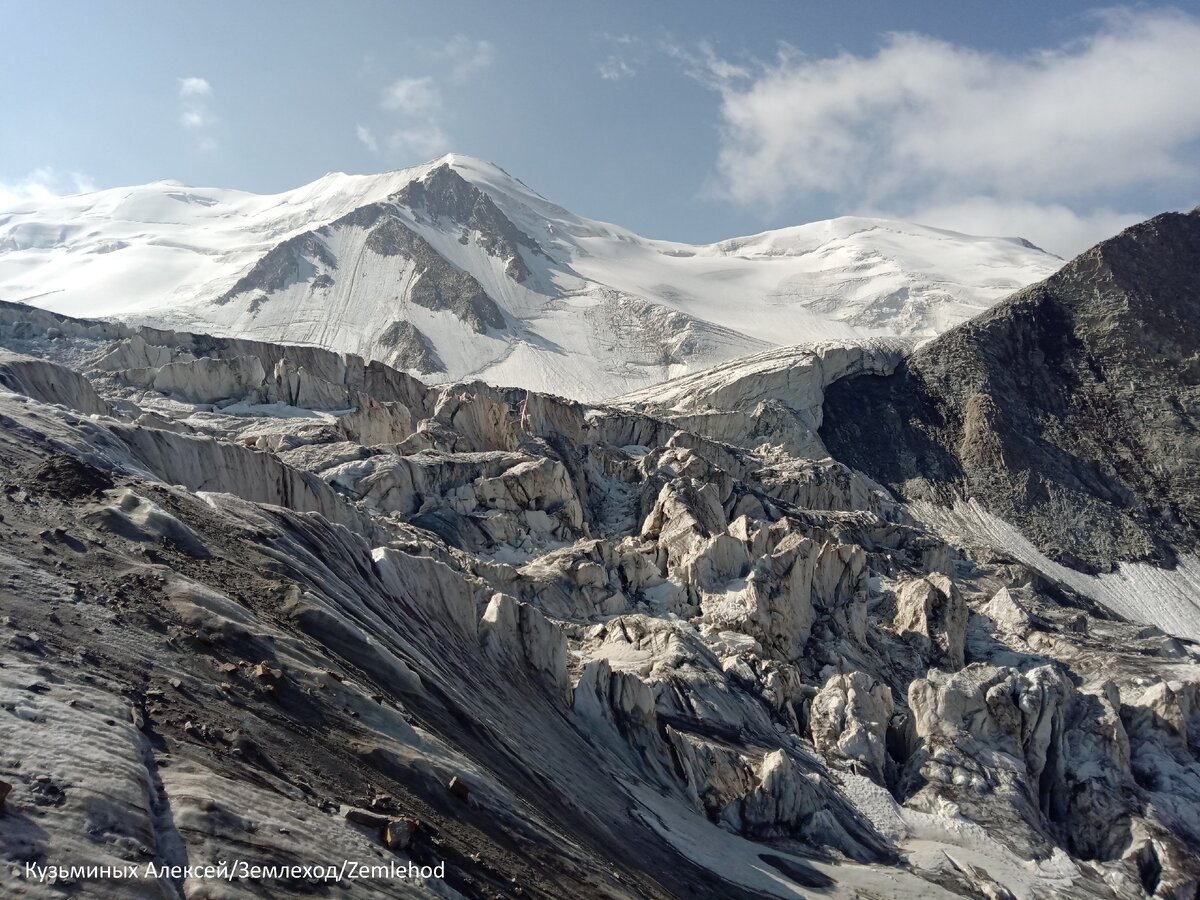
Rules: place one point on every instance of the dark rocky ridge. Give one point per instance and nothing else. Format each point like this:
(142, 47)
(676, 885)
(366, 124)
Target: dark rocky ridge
(294, 260)
(307, 258)
(439, 285)
(446, 194)
(1071, 410)
(410, 347)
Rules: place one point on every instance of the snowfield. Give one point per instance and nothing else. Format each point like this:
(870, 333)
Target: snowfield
(589, 310)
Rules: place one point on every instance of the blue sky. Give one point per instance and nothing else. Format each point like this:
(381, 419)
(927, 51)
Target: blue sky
(685, 120)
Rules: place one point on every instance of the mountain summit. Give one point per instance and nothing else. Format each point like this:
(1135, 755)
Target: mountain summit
(455, 270)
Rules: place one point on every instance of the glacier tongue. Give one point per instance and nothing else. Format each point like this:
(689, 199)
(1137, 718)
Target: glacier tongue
(278, 604)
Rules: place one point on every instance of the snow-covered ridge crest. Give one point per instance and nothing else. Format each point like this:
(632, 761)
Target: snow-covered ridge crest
(479, 276)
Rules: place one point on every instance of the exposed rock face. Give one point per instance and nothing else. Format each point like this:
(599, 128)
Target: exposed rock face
(1071, 410)
(291, 262)
(276, 603)
(437, 284)
(307, 261)
(446, 194)
(410, 349)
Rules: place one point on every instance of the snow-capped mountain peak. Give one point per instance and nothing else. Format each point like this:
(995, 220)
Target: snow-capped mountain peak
(455, 269)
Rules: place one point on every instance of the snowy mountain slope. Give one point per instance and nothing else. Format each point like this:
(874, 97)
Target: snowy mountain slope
(456, 270)
(116, 251)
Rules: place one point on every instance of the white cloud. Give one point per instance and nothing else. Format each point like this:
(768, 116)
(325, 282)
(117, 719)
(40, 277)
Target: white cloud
(615, 68)
(192, 118)
(417, 101)
(42, 184)
(466, 56)
(367, 138)
(194, 87)
(195, 111)
(627, 57)
(421, 142)
(414, 96)
(927, 125)
(702, 62)
(1052, 226)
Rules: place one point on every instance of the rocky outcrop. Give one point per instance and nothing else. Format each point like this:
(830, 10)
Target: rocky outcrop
(295, 260)
(443, 193)
(1070, 410)
(306, 263)
(409, 348)
(437, 284)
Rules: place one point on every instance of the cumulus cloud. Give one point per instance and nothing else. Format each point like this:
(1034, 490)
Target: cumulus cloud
(41, 184)
(195, 110)
(194, 87)
(466, 56)
(927, 127)
(414, 96)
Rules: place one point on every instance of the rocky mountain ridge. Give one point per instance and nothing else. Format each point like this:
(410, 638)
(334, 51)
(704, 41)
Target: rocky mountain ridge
(1071, 410)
